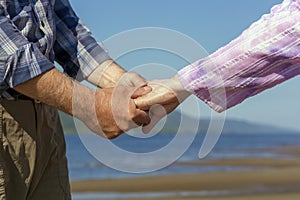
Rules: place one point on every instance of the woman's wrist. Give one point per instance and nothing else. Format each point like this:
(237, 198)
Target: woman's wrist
(179, 89)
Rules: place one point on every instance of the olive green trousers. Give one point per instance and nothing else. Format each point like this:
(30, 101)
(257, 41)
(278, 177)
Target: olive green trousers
(33, 164)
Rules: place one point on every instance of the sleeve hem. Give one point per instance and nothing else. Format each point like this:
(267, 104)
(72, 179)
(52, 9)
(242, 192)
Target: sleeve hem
(27, 63)
(100, 59)
(202, 92)
(21, 79)
(88, 62)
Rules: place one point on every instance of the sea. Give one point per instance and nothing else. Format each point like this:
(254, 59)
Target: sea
(84, 164)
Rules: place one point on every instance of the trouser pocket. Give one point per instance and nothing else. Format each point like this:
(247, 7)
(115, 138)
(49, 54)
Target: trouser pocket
(17, 148)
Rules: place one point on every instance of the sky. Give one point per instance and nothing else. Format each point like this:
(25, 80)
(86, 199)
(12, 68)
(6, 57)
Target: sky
(212, 24)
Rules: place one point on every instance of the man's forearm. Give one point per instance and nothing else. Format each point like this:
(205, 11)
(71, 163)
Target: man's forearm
(56, 89)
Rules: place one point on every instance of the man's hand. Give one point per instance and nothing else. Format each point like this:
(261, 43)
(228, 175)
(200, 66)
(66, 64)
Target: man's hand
(109, 74)
(107, 112)
(132, 79)
(166, 95)
(116, 112)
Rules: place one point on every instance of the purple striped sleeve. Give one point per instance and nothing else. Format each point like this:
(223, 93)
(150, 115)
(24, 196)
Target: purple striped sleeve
(263, 56)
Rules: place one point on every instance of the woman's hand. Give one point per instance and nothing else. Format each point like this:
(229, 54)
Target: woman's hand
(165, 96)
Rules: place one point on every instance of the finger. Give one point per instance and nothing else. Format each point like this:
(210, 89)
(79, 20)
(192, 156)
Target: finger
(141, 91)
(142, 103)
(170, 107)
(141, 117)
(147, 101)
(157, 112)
(154, 120)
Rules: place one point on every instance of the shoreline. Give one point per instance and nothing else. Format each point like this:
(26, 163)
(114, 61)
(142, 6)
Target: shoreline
(270, 178)
(194, 182)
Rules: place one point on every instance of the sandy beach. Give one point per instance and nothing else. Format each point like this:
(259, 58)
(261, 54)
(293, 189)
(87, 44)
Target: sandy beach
(273, 178)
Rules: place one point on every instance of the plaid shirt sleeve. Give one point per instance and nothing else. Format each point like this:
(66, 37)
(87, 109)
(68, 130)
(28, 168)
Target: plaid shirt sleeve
(20, 60)
(266, 54)
(75, 48)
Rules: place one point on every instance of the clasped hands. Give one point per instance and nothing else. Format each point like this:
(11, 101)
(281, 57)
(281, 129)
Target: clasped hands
(135, 102)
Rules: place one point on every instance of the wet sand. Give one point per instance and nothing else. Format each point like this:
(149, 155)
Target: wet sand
(274, 178)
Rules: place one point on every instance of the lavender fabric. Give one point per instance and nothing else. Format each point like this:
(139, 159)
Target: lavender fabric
(264, 55)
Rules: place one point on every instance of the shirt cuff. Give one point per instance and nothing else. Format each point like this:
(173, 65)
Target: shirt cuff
(26, 63)
(89, 58)
(203, 79)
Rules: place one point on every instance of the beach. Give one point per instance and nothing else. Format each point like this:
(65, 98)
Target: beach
(259, 178)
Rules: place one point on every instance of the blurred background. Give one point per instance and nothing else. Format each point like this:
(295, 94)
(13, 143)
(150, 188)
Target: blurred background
(257, 155)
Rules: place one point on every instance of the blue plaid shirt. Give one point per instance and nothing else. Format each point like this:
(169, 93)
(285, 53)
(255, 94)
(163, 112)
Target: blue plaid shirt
(35, 33)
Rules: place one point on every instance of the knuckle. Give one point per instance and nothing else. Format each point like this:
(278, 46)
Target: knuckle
(110, 137)
(126, 127)
(132, 115)
(112, 134)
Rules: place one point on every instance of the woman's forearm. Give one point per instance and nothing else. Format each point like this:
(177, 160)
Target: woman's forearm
(263, 56)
